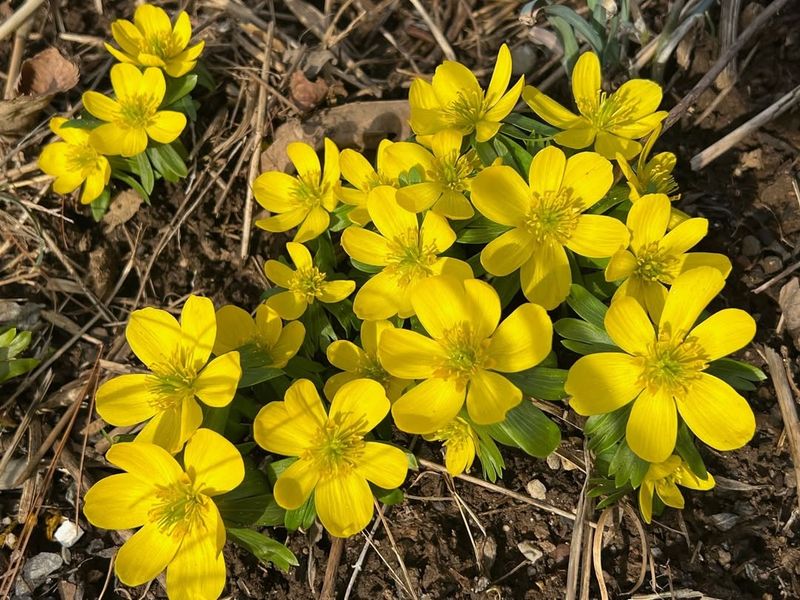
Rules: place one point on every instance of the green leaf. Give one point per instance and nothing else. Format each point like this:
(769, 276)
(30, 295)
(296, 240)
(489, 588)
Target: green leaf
(603, 431)
(302, 517)
(8, 337)
(132, 183)
(100, 204)
(251, 502)
(388, 497)
(531, 125)
(587, 306)
(342, 311)
(178, 88)
(167, 162)
(739, 375)
(86, 121)
(521, 156)
(616, 195)
(492, 463)
(364, 267)
(486, 152)
(529, 429)
(584, 348)
(543, 383)
(255, 365)
(689, 453)
(506, 287)
(567, 36)
(577, 23)
(263, 548)
(18, 344)
(582, 331)
(145, 171)
(627, 467)
(481, 231)
(16, 367)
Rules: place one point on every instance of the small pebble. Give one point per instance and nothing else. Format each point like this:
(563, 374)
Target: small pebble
(724, 521)
(68, 533)
(771, 264)
(530, 551)
(751, 246)
(39, 567)
(536, 489)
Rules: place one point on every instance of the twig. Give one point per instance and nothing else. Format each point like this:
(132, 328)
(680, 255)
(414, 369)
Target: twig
(689, 99)
(718, 148)
(441, 40)
(728, 28)
(727, 90)
(361, 557)
(16, 58)
(597, 551)
(770, 282)
(786, 401)
(12, 23)
(334, 558)
(576, 545)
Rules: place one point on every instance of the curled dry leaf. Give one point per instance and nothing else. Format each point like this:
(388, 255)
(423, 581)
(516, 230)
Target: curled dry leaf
(307, 94)
(41, 77)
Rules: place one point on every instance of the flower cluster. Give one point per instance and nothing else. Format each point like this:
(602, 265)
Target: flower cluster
(133, 135)
(418, 296)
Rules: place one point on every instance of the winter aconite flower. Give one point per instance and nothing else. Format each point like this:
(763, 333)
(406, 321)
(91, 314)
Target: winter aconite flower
(181, 528)
(460, 445)
(446, 174)
(547, 215)
(662, 370)
(176, 354)
(652, 175)
(656, 257)
(664, 479)
(74, 162)
(364, 178)
(305, 200)
(454, 100)
(409, 253)
(152, 41)
(303, 286)
(358, 363)
(464, 354)
(334, 461)
(265, 334)
(612, 122)
(134, 116)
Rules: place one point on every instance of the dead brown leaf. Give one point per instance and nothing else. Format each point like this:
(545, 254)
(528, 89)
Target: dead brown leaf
(121, 209)
(307, 94)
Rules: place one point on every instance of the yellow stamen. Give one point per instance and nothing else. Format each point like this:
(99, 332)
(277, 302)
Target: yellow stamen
(307, 282)
(672, 364)
(653, 263)
(338, 449)
(177, 508)
(553, 216)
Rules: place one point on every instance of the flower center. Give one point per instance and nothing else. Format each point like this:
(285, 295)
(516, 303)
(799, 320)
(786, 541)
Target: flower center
(466, 110)
(410, 260)
(457, 436)
(309, 191)
(672, 364)
(465, 354)
(611, 111)
(172, 382)
(553, 216)
(160, 43)
(339, 448)
(177, 508)
(454, 171)
(654, 263)
(657, 179)
(372, 369)
(137, 111)
(82, 158)
(307, 282)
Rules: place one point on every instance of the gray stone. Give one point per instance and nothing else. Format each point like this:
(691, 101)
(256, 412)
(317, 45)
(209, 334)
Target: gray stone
(39, 567)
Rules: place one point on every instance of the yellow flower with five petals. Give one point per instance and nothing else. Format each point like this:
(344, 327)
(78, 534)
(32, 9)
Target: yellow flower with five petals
(334, 461)
(454, 100)
(181, 528)
(134, 116)
(547, 215)
(177, 355)
(612, 122)
(305, 200)
(152, 41)
(462, 358)
(74, 162)
(303, 286)
(662, 370)
(663, 480)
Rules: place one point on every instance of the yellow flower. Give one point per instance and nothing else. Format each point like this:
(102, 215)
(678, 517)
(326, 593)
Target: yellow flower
(655, 259)
(447, 175)
(334, 461)
(460, 445)
(664, 479)
(74, 162)
(305, 200)
(181, 528)
(662, 371)
(357, 171)
(455, 100)
(612, 122)
(546, 216)
(464, 355)
(304, 286)
(408, 253)
(357, 363)
(236, 329)
(134, 115)
(152, 41)
(176, 354)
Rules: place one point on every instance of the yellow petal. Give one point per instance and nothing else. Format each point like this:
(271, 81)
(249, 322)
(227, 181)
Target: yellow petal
(198, 330)
(330, 171)
(609, 145)
(335, 382)
(598, 236)
(67, 182)
(275, 430)
(344, 503)
(305, 160)
(441, 304)
(429, 406)
(546, 277)
(101, 106)
(335, 291)
(576, 137)
(490, 396)
(154, 335)
(166, 125)
(295, 484)
(453, 80)
(289, 342)
(601, 383)
(384, 465)
(522, 340)
(276, 191)
(669, 494)
(300, 255)
(314, 225)
(724, 332)
(371, 332)
(345, 355)
(419, 197)
(507, 253)
(120, 501)
(548, 109)
(693, 260)
(500, 109)
(501, 76)
(146, 554)
(147, 462)
(216, 384)
(392, 221)
(640, 96)
(213, 463)
(359, 405)
(717, 414)
(501, 195)
(356, 169)
(268, 326)
(453, 205)
(690, 294)
(436, 233)
(127, 399)
(648, 220)
(283, 222)
(408, 354)
(652, 425)
(198, 569)
(586, 81)
(646, 501)
(366, 246)
(547, 170)
(589, 175)
(685, 235)
(153, 81)
(379, 298)
(288, 305)
(53, 159)
(689, 480)
(182, 30)
(152, 21)
(484, 307)
(127, 81)
(127, 36)
(172, 427)
(628, 325)
(96, 181)
(278, 273)
(235, 328)
(112, 139)
(446, 145)
(621, 265)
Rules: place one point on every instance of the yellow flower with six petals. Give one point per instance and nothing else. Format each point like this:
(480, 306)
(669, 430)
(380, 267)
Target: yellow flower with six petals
(181, 528)
(464, 356)
(134, 116)
(74, 161)
(303, 286)
(662, 370)
(334, 462)
(305, 200)
(656, 259)
(454, 100)
(364, 178)
(460, 445)
(152, 41)
(545, 216)
(612, 122)
(663, 479)
(409, 253)
(177, 355)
